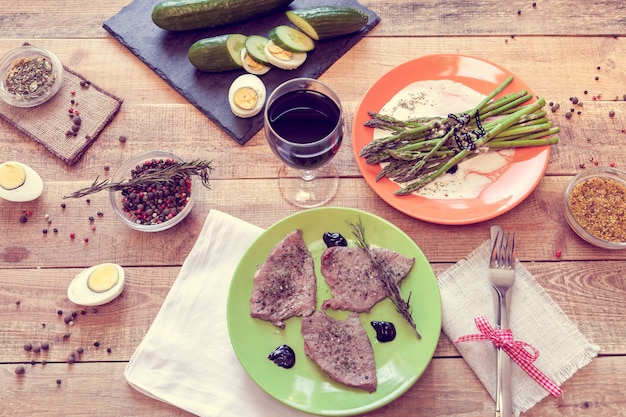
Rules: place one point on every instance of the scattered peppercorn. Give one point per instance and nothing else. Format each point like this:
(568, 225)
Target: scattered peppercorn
(96, 343)
(23, 218)
(67, 319)
(20, 370)
(58, 381)
(45, 345)
(106, 168)
(88, 200)
(109, 350)
(55, 230)
(43, 362)
(611, 113)
(597, 78)
(18, 302)
(568, 115)
(67, 335)
(59, 312)
(71, 358)
(122, 139)
(86, 240)
(534, 4)
(91, 219)
(519, 12)
(63, 205)
(80, 350)
(45, 231)
(28, 347)
(72, 235)
(36, 349)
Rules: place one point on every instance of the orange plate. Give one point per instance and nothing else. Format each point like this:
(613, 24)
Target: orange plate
(518, 178)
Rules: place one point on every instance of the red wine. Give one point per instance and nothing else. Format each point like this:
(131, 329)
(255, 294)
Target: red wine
(303, 118)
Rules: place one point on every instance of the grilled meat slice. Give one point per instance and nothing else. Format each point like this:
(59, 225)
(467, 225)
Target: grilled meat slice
(341, 349)
(354, 282)
(285, 285)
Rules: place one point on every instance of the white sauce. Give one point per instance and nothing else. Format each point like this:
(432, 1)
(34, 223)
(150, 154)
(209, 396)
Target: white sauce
(440, 98)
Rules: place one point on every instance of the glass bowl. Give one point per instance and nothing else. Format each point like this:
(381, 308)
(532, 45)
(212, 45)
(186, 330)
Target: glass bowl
(595, 207)
(146, 209)
(19, 87)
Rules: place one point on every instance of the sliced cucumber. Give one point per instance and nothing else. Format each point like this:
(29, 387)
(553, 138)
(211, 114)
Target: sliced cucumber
(217, 54)
(291, 39)
(323, 22)
(255, 45)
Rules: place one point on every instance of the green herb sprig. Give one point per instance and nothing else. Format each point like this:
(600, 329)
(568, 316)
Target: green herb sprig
(159, 174)
(403, 307)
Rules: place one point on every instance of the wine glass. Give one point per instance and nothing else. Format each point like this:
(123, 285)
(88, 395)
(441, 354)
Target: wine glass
(304, 128)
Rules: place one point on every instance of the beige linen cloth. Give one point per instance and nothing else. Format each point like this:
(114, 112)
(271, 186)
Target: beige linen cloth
(186, 358)
(535, 319)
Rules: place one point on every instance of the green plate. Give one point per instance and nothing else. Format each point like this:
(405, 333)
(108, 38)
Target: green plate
(305, 387)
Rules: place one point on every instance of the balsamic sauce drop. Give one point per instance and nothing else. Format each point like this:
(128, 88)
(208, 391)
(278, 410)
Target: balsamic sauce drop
(385, 331)
(334, 239)
(283, 356)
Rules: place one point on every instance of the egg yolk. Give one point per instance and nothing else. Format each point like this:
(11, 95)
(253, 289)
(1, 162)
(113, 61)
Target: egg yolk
(245, 98)
(12, 176)
(252, 63)
(279, 52)
(103, 278)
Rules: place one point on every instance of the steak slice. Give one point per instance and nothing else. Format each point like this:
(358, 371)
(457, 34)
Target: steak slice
(341, 349)
(354, 282)
(285, 285)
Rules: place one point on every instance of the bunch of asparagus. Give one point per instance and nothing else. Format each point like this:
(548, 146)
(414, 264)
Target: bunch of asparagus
(420, 150)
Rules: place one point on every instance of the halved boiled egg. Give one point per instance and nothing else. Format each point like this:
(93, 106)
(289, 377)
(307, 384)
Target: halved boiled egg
(251, 65)
(97, 285)
(246, 95)
(19, 182)
(283, 58)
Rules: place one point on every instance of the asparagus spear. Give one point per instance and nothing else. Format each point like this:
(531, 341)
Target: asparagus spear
(420, 150)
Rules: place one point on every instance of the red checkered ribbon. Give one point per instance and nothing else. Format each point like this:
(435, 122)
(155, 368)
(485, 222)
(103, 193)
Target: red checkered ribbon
(518, 351)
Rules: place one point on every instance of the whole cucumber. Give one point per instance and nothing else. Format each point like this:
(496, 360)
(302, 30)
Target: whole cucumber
(179, 15)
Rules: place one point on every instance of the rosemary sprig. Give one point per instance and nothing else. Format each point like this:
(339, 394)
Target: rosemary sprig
(158, 174)
(403, 307)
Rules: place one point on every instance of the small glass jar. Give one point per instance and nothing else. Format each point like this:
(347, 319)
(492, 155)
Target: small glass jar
(29, 76)
(128, 217)
(593, 200)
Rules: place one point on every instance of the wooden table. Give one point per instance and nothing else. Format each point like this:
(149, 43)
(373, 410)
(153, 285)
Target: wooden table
(557, 47)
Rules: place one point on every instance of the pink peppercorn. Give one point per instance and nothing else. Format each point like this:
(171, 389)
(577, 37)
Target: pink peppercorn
(558, 253)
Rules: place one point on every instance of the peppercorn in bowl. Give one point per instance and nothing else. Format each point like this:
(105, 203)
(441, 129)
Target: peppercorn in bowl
(595, 207)
(155, 194)
(29, 76)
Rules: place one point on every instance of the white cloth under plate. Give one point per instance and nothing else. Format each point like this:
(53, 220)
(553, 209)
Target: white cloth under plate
(186, 358)
(535, 319)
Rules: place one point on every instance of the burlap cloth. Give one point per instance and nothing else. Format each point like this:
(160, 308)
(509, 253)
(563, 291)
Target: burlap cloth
(535, 319)
(49, 122)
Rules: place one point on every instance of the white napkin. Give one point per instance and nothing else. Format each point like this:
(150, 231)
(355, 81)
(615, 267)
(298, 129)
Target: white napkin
(186, 358)
(535, 319)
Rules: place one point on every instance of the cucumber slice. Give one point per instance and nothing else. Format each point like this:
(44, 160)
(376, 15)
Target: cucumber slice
(255, 45)
(291, 39)
(217, 54)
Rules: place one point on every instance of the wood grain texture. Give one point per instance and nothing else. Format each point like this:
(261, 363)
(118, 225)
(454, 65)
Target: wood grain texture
(101, 389)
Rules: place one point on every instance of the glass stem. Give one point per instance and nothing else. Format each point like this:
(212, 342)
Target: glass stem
(308, 174)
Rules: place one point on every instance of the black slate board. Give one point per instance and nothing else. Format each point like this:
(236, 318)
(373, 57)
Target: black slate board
(166, 54)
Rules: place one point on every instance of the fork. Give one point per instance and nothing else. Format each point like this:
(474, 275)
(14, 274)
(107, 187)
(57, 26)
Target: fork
(502, 277)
